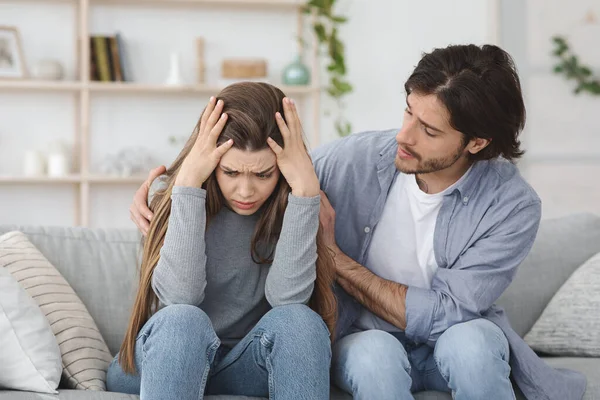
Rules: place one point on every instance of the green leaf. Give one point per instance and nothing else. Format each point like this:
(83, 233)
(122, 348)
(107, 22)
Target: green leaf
(321, 33)
(339, 20)
(343, 128)
(585, 71)
(342, 86)
(316, 3)
(558, 69)
(559, 40)
(333, 92)
(560, 51)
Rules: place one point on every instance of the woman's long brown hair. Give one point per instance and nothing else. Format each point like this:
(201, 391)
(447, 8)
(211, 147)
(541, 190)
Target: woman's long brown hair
(251, 109)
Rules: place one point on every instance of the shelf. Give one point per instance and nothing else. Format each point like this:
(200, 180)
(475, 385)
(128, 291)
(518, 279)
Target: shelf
(125, 87)
(39, 179)
(100, 179)
(56, 86)
(232, 3)
(141, 88)
(115, 179)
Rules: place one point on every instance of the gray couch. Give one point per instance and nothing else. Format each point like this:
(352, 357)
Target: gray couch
(101, 267)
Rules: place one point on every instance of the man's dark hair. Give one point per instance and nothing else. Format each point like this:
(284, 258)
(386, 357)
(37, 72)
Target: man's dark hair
(480, 88)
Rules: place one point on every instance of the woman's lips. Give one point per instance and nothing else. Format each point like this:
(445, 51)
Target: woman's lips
(243, 206)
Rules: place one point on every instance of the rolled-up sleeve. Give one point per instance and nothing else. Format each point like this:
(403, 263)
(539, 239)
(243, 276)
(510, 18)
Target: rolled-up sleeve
(467, 289)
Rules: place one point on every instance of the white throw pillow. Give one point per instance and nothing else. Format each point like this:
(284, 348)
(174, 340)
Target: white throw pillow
(85, 356)
(29, 354)
(570, 324)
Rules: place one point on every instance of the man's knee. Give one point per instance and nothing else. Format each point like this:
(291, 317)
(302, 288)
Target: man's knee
(371, 352)
(471, 346)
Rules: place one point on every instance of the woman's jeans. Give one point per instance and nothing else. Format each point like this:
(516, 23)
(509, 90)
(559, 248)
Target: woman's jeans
(178, 356)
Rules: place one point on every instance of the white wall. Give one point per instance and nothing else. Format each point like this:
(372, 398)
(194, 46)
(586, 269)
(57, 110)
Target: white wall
(384, 40)
(563, 130)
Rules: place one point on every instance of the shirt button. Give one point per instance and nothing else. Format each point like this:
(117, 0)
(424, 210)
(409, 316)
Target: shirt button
(367, 229)
(465, 200)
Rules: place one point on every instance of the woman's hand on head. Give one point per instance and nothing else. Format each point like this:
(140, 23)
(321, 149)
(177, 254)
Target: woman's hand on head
(205, 154)
(293, 160)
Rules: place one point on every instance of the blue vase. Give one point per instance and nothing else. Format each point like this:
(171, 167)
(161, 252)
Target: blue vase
(296, 73)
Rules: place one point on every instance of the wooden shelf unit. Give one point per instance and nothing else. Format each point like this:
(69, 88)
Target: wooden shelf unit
(83, 88)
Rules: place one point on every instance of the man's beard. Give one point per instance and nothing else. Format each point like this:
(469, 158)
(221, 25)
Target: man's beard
(432, 165)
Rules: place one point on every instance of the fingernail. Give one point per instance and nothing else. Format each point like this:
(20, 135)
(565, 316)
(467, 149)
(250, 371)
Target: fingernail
(223, 116)
(277, 115)
(292, 102)
(149, 216)
(219, 102)
(212, 99)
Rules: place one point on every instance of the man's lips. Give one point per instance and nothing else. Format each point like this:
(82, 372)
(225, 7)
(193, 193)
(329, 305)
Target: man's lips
(404, 154)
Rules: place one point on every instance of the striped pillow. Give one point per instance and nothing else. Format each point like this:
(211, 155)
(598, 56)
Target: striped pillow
(85, 356)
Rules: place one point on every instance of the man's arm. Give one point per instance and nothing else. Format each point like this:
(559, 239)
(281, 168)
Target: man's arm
(384, 298)
(459, 293)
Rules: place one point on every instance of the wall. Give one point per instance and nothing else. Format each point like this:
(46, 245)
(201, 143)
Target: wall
(562, 135)
(384, 41)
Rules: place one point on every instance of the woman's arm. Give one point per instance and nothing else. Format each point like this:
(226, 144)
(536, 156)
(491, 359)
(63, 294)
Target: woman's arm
(180, 275)
(293, 272)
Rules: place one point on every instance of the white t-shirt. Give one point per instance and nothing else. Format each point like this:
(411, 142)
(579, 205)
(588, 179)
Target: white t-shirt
(401, 249)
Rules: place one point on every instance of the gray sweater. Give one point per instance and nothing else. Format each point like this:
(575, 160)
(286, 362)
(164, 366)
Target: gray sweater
(213, 269)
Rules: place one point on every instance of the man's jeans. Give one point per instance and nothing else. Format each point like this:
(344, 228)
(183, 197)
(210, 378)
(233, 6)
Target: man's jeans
(469, 359)
(178, 356)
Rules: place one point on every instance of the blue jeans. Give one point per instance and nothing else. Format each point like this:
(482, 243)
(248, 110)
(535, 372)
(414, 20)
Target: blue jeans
(469, 359)
(287, 355)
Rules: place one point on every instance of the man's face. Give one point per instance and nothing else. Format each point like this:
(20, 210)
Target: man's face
(427, 143)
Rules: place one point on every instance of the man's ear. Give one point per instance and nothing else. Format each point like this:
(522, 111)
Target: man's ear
(477, 144)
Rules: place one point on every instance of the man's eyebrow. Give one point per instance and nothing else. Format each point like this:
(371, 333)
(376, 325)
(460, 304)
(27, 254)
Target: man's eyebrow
(433, 128)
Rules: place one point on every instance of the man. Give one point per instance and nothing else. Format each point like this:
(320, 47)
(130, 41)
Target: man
(432, 222)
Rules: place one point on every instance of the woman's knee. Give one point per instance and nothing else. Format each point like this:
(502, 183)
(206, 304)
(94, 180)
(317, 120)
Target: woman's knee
(179, 325)
(298, 326)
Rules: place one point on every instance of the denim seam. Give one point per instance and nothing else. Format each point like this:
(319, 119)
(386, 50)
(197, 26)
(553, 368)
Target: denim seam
(210, 353)
(267, 343)
(446, 377)
(240, 353)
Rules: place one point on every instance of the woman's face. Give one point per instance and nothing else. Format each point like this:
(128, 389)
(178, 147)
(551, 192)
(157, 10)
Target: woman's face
(247, 178)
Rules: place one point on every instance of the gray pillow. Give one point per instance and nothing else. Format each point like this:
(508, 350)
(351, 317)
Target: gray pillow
(570, 324)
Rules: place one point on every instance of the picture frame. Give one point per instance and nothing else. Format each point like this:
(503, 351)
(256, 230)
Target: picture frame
(12, 61)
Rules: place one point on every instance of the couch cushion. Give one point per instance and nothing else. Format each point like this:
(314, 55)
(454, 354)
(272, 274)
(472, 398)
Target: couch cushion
(85, 356)
(570, 325)
(89, 395)
(100, 265)
(29, 357)
(561, 246)
(588, 366)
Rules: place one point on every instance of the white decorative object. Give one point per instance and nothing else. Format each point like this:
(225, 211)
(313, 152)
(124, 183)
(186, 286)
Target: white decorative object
(34, 163)
(48, 69)
(58, 160)
(175, 77)
(31, 357)
(127, 162)
(57, 165)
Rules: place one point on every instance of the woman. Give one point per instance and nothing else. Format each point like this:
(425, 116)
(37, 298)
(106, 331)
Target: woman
(233, 256)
